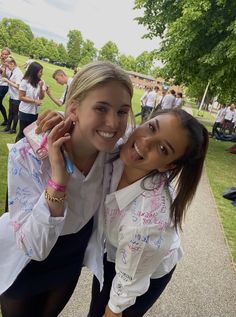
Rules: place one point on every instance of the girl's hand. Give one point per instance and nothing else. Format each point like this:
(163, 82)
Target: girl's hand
(56, 140)
(38, 102)
(48, 120)
(109, 313)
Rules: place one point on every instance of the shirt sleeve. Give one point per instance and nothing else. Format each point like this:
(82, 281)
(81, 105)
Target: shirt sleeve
(18, 78)
(23, 85)
(36, 232)
(138, 254)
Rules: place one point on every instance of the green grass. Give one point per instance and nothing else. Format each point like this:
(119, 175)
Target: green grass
(221, 167)
(220, 164)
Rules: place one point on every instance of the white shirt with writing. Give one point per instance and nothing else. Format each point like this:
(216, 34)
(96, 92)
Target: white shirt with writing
(140, 237)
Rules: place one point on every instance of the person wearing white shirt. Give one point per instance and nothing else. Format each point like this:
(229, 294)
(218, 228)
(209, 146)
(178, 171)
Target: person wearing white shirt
(149, 102)
(62, 79)
(53, 202)
(168, 100)
(31, 94)
(14, 101)
(229, 115)
(142, 214)
(4, 73)
(178, 100)
(218, 121)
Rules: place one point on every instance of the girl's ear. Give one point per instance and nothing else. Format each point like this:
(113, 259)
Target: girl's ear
(72, 110)
(168, 167)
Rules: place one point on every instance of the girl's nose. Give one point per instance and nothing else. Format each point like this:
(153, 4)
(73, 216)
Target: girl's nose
(147, 142)
(112, 120)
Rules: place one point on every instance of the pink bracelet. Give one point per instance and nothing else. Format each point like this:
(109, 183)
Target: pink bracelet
(58, 188)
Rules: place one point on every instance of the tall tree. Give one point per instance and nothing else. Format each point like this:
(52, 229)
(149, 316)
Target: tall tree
(127, 62)
(144, 63)
(74, 47)
(88, 53)
(4, 36)
(15, 34)
(62, 54)
(109, 52)
(198, 40)
(37, 48)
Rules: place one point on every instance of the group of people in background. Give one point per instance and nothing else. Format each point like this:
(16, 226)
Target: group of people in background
(26, 91)
(225, 122)
(159, 98)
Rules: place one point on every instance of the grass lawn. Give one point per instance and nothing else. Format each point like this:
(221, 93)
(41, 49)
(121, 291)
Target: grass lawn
(221, 167)
(220, 164)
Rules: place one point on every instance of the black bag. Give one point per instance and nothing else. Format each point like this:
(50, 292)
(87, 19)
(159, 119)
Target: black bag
(230, 193)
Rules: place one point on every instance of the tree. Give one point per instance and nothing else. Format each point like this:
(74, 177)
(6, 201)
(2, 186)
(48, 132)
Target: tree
(37, 48)
(62, 54)
(74, 47)
(88, 53)
(127, 62)
(51, 51)
(198, 40)
(144, 63)
(4, 38)
(109, 52)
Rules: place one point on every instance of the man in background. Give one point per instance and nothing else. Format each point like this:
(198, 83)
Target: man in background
(62, 79)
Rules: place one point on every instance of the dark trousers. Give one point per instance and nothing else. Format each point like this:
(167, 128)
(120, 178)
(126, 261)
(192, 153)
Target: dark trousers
(216, 128)
(146, 111)
(24, 123)
(13, 113)
(43, 288)
(99, 299)
(3, 91)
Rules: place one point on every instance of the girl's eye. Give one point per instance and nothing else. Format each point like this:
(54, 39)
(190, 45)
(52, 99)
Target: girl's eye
(151, 127)
(101, 109)
(163, 149)
(123, 113)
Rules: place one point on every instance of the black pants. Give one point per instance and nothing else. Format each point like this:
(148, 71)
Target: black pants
(43, 288)
(99, 299)
(3, 91)
(13, 113)
(146, 111)
(24, 123)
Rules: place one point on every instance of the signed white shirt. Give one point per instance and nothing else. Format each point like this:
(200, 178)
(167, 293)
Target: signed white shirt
(28, 231)
(140, 237)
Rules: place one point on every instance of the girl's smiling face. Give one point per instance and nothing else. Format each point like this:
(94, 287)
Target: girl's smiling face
(100, 118)
(155, 145)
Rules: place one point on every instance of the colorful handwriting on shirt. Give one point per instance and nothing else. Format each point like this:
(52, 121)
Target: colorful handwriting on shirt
(112, 214)
(139, 240)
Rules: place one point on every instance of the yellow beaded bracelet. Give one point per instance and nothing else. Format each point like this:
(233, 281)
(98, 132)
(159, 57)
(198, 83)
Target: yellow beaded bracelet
(59, 200)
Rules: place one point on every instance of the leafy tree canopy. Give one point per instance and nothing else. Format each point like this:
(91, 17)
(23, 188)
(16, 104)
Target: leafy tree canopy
(198, 40)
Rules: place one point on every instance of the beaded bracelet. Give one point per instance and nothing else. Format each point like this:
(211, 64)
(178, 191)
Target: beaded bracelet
(56, 187)
(53, 199)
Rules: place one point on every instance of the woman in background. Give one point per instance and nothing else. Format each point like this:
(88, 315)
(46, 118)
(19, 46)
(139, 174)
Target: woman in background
(31, 94)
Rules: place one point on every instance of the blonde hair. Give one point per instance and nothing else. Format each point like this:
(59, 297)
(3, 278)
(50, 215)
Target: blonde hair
(58, 72)
(96, 74)
(10, 59)
(6, 49)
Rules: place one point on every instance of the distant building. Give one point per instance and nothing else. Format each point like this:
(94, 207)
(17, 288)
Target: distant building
(140, 80)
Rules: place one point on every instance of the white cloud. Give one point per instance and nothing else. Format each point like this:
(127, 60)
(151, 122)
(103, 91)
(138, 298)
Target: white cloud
(98, 21)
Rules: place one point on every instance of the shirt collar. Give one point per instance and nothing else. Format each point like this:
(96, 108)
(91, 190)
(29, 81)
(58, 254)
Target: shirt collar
(126, 195)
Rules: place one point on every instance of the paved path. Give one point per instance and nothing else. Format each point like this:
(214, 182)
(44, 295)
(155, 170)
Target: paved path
(204, 283)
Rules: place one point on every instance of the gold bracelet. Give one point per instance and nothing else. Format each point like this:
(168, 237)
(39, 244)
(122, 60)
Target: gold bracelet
(53, 199)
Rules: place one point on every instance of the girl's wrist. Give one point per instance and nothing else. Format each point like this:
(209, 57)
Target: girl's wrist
(56, 186)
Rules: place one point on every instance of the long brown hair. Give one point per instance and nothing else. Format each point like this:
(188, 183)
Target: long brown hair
(188, 170)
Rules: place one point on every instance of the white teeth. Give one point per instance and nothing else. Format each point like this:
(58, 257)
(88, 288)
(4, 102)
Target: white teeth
(106, 134)
(137, 150)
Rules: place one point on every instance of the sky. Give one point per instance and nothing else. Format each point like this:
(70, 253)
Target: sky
(98, 20)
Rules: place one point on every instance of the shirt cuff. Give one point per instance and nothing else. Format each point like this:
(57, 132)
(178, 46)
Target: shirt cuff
(43, 216)
(115, 308)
